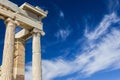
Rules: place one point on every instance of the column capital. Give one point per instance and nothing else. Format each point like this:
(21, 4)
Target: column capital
(12, 21)
(38, 31)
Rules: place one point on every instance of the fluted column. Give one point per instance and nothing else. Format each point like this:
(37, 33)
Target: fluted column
(36, 56)
(19, 60)
(7, 62)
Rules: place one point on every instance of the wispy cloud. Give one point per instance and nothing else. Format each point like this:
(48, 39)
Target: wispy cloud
(105, 54)
(61, 14)
(56, 68)
(62, 34)
(102, 27)
(28, 71)
(113, 5)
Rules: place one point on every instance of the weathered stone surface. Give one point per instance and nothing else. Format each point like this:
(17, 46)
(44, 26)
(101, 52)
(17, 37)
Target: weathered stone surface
(36, 56)
(0, 71)
(28, 18)
(19, 61)
(7, 63)
(23, 34)
(10, 5)
(25, 21)
(36, 11)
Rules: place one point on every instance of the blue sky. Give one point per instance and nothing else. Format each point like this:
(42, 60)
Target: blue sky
(82, 40)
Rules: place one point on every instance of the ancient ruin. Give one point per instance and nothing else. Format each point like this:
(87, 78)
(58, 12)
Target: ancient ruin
(29, 18)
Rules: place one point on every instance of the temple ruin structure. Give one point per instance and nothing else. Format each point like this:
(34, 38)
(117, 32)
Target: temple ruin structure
(29, 19)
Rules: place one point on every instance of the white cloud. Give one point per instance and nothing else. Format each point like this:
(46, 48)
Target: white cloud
(62, 34)
(28, 71)
(105, 54)
(113, 5)
(56, 68)
(61, 14)
(102, 27)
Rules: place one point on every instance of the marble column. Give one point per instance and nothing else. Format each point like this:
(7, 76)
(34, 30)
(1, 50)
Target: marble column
(7, 62)
(36, 56)
(19, 60)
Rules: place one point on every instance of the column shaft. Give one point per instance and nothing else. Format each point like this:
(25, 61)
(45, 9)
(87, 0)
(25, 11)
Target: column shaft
(7, 63)
(36, 58)
(19, 61)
